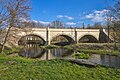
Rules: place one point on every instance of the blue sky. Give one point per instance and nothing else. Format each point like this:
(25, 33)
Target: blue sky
(71, 12)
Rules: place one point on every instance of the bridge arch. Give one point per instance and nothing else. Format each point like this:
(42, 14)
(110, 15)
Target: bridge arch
(31, 39)
(69, 39)
(88, 38)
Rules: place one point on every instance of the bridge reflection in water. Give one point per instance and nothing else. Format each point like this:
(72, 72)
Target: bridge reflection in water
(34, 51)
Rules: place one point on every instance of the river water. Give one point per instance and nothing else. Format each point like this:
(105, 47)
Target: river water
(33, 51)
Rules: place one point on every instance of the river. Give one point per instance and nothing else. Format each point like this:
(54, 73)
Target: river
(34, 51)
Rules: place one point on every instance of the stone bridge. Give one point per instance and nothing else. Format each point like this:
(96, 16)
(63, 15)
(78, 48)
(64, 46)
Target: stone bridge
(47, 34)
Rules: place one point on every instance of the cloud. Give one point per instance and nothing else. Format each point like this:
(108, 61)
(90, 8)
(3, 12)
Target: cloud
(97, 16)
(101, 12)
(43, 22)
(60, 16)
(65, 16)
(89, 16)
(70, 23)
(69, 17)
(24, 20)
(35, 21)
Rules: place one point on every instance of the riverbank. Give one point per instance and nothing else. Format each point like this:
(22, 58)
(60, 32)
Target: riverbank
(97, 48)
(18, 68)
(90, 48)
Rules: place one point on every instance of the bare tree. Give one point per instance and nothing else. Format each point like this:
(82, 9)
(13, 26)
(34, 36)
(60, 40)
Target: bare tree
(115, 21)
(57, 24)
(89, 26)
(16, 9)
(83, 27)
(97, 25)
(116, 32)
(3, 14)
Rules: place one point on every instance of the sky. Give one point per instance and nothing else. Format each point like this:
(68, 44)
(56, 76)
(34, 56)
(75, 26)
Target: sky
(70, 12)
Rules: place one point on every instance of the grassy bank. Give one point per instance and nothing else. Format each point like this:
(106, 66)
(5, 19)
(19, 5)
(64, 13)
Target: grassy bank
(17, 68)
(95, 48)
(12, 51)
(107, 52)
(50, 47)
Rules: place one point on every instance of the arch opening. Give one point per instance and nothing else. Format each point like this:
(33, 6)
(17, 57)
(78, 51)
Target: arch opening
(88, 39)
(62, 40)
(31, 39)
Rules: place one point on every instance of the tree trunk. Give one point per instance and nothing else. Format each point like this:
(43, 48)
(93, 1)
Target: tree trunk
(115, 46)
(6, 37)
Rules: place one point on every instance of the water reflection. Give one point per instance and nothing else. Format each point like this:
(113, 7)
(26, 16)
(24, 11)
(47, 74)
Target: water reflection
(107, 60)
(31, 51)
(56, 53)
(61, 52)
(34, 51)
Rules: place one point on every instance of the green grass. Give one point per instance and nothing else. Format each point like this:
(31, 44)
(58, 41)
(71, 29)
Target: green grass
(69, 47)
(102, 48)
(17, 68)
(50, 47)
(13, 50)
(81, 55)
(109, 52)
